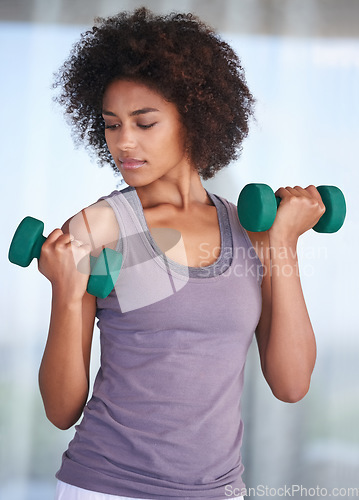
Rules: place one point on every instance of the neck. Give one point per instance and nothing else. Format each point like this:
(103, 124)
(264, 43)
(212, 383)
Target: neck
(182, 193)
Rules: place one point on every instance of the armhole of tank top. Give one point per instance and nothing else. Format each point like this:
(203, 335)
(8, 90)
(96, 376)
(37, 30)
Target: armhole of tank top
(252, 254)
(122, 243)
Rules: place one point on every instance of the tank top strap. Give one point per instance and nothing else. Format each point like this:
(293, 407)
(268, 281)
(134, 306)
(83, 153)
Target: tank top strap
(131, 230)
(243, 249)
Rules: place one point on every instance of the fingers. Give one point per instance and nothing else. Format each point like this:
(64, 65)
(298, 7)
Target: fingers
(287, 192)
(60, 244)
(295, 191)
(58, 237)
(282, 192)
(76, 243)
(300, 209)
(307, 197)
(56, 234)
(299, 191)
(310, 192)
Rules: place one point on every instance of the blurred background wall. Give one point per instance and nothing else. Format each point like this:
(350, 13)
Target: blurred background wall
(302, 64)
(318, 18)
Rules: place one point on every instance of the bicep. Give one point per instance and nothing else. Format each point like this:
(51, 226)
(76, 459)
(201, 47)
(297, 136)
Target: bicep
(88, 317)
(95, 226)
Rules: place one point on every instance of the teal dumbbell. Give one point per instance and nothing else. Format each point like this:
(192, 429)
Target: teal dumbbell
(257, 208)
(27, 243)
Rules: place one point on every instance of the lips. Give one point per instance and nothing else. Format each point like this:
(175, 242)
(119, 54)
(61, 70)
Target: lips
(131, 163)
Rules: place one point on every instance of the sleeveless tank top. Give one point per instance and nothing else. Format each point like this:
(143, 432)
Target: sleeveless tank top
(164, 420)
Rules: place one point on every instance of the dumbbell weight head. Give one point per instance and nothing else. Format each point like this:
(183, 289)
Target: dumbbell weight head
(257, 207)
(104, 272)
(335, 210)
(27, 242)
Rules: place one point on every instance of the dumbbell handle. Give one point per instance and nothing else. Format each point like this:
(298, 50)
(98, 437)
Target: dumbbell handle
(38, 245)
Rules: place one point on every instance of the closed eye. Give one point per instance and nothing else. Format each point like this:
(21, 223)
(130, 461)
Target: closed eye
(146, 126)
(111, 127)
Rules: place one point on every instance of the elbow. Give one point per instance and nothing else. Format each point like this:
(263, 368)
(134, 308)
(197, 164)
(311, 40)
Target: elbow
(61, 422)
(63, 426)
(62, 418)
(289, 386)
(62, 410)
(291, 394)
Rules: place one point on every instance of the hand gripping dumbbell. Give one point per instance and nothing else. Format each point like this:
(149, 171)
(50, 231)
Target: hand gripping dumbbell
(257, 208)
(27, 243)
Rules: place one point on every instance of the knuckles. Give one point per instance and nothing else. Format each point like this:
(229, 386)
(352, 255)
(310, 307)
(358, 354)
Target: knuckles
(301, 209)
(301, 200)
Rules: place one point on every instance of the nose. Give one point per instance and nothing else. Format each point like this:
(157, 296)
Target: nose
(126, 138)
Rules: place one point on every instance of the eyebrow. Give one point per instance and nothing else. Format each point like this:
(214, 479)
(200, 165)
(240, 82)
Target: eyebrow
(137, 112)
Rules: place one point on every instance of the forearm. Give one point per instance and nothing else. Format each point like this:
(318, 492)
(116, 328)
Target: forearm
(291, 349)
(63, 375)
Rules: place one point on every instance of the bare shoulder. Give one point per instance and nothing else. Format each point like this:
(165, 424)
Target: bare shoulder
(95, 225)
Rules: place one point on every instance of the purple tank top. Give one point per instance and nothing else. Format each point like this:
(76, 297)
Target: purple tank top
(164, 420)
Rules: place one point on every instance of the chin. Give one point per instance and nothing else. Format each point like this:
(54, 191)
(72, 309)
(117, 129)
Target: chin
(136, 183)
(140, 181)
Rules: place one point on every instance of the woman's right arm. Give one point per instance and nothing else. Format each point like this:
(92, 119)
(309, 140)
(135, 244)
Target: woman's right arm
(64, 370)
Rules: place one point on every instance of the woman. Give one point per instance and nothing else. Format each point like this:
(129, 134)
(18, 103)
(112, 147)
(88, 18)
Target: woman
(165, 102)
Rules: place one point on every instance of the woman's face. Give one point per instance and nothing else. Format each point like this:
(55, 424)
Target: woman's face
(143, 132)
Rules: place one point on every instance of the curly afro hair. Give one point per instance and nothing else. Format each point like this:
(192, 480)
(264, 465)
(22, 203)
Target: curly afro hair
(181, 58)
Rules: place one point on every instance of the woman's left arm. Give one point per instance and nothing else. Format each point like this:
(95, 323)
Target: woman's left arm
(285, 336)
